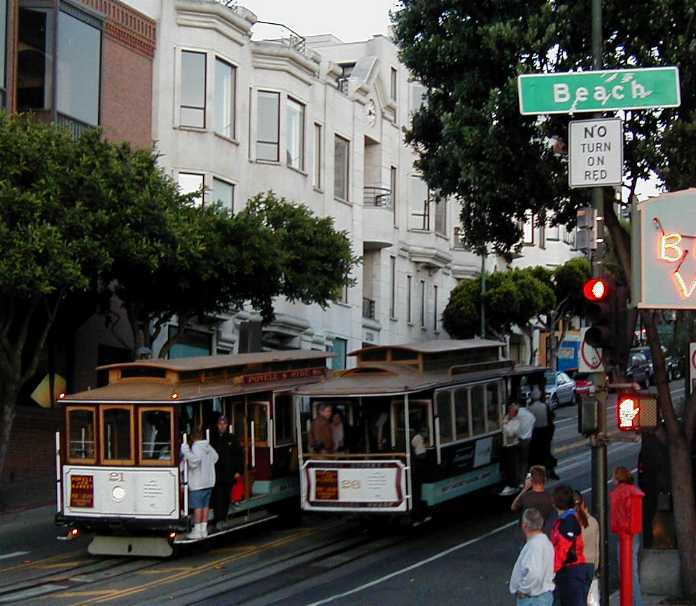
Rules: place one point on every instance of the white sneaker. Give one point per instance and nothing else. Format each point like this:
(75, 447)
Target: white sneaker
(195, 532)
(203, 532)
(508, 491)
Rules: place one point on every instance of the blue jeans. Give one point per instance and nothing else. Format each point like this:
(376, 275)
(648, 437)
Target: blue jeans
(543, 599)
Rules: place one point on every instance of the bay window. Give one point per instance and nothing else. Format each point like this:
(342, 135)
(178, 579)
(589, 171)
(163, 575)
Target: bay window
(268, 126)
(225, 93)
(35, 59)
(295, 134)
(191, 183)
(341, 167)
(193, 84)
(223, 192)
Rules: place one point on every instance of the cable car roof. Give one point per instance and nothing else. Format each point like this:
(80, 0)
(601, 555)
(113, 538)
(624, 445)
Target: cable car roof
(435, 346)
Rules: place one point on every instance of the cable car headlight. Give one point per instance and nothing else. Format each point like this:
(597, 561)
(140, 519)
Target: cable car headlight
(118, 493)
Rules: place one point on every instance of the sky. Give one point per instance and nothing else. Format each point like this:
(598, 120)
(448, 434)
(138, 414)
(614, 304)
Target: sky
(350, 21)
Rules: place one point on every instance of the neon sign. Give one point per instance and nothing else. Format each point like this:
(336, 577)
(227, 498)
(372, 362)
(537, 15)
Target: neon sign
(670, 250)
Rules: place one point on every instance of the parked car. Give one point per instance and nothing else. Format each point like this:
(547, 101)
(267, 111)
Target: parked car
(639, 370)
(583, 384)
(560, 389)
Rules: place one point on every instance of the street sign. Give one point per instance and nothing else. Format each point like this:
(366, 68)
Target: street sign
(664, 251)
(590, 359)
(595, 152)
(599, 91)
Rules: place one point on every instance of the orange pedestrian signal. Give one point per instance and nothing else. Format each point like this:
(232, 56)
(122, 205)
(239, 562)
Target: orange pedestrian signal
(635, 412)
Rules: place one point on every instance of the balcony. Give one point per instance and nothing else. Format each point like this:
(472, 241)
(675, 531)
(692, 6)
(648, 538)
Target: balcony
(378, 224)
(368, 308)
(75, 127)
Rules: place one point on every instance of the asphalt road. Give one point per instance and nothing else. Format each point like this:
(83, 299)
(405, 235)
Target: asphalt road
(463, 556)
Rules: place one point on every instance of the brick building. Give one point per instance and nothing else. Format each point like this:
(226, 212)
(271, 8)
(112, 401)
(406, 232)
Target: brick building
(82, 64)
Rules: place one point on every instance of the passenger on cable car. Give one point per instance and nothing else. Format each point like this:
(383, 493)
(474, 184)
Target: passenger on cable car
(321, 431)
(228, 469)
(338, 432)
(201, 459)
(511, 441)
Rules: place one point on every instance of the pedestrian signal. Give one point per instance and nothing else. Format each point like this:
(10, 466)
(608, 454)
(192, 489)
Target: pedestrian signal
(636, 411)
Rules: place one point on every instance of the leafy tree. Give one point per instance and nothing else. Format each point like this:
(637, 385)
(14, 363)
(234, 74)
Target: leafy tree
(474, 145)
(82, 220)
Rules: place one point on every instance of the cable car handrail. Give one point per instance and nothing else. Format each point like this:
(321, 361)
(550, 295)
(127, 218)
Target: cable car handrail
(356, 455)
(186, 495)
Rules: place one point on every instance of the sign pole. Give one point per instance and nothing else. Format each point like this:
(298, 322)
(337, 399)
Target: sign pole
(599, 444)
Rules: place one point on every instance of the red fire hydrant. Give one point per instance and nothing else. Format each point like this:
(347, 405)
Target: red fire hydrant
(626, 521)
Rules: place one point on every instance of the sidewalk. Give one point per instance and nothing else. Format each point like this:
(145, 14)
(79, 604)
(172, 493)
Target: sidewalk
(27, 494)
(653, 600)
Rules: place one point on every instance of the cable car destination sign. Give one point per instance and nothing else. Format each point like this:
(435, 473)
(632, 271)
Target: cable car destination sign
(598, 91)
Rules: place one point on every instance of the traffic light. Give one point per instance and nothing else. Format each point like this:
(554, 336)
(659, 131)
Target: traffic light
(636, 411)
(600, 311)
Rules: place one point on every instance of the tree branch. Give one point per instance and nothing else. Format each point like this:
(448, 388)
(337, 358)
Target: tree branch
(51, 312)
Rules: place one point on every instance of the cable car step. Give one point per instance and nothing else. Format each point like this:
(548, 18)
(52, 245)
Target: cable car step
(153, 547)
(232, 526)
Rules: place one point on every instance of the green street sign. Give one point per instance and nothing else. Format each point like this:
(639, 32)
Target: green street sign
(600, 91)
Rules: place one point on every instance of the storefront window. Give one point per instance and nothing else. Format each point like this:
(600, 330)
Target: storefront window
(81, 445)
(156, 435)
(116, 439)
(34, 59)
(79, 60)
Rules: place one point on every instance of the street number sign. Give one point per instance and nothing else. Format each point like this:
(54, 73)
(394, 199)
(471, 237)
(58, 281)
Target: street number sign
(590, 358)
(599, 91)
(595, 150)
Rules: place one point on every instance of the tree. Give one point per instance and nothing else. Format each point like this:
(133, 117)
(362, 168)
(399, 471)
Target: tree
(82, 220)
(513, 298)
(473, 144)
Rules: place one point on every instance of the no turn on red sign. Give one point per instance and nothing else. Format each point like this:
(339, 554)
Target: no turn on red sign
(595, 152)
(590, 358)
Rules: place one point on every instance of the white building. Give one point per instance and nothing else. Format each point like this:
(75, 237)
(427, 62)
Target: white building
(320, 122)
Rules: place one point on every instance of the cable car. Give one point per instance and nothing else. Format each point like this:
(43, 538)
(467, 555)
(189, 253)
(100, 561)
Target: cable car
(119, 470)
(411, 427)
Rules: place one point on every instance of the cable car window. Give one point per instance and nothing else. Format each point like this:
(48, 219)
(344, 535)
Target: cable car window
(156, 436)
(117, 434)
(478, 410)
(444, 412)
(461, 413)
(282, 420)
(493, 406)
(81, 444)
(258, 412)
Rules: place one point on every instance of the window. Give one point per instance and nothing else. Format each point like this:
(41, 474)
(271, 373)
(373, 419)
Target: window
(340, 350)
(282, 421)
(409, 306)
(342, 296)
(461, 413)
(318, 149)
(422, 303)
(568, 236)
(554, 232)
(528, 230)
(81, 444)
(458, 233)
(444, 413)
(392, 286)
(393, 84)
(435, 318)
(78, 74)
(190, 344)
(542, 234)
(393, 181)
(341, 167)
(190, 183)
(3, 49)
(268, 127)
(117, 438)
(223, 192)
(295, 135)
(192, 89)
(441, 217)
(156, 429)
(225, 98)
(34, 59)
(493, 406)
(478, 410)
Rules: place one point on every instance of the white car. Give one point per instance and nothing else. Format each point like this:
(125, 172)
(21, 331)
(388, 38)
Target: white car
(560, 389)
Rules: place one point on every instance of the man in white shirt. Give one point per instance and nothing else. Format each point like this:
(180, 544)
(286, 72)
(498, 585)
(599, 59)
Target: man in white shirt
(527, 421)
(531, 581)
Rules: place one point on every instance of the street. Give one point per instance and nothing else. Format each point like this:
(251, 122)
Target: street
(464, 555)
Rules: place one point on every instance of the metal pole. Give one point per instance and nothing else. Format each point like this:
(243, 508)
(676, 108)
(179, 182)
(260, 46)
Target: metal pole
(599, 444)
(483, 294)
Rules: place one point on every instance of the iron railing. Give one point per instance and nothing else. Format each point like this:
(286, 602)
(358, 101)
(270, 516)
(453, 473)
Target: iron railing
(291, 39)
(380, 197)
(75, 127)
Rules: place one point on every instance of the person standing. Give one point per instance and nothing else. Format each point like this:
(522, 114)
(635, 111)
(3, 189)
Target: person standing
(511, 440)
(531, 581)
(620, 499)
(542, 435)
(321, 430)
(228, 468)
(573, 575)
(338, 432)
(527, 420)
(590, 537)
(201, 459)
(535, 496)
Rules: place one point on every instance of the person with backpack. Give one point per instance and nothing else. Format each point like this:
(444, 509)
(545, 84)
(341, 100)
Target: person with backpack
(201, 458)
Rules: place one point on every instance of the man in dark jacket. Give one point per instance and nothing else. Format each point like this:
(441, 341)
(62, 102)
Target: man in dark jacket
(228, 468)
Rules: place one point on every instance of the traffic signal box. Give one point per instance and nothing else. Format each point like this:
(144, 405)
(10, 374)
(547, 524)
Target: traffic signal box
(609, 318)
(635, 412)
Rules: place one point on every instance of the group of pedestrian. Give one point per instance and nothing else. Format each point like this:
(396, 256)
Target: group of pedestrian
(214, 468)
(560, 560)
(327, 433)
(527, 437)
